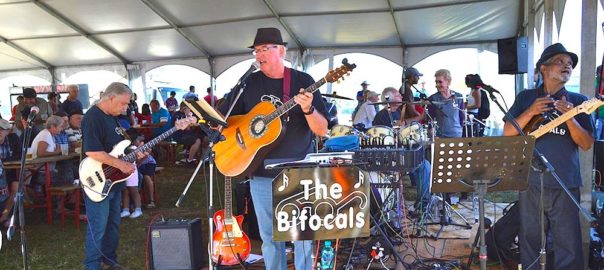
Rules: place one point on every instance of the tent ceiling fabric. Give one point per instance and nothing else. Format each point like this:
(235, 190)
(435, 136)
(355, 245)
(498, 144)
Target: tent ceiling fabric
(143, 31)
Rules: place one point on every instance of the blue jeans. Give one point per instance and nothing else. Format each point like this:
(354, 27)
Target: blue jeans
(421, 178)
(102, 234)
(274, 252)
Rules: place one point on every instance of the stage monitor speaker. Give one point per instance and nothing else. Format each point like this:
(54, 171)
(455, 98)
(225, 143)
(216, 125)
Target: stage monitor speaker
(177, 245)
(513, 55)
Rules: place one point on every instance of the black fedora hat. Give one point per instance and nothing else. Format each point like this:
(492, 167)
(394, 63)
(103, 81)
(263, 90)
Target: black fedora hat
(268, 36)
(553, 50)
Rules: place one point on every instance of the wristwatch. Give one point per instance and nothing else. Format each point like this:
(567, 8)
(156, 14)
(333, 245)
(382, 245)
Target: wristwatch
(310, 111)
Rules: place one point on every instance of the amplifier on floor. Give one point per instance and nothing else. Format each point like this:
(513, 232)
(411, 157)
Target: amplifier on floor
(177, 245)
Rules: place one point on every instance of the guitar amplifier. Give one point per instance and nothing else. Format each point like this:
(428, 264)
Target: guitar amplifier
(178, 245)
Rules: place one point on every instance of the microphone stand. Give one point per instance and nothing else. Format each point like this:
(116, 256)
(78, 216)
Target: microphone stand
(544, 166)
(18, 211)
(214, 137)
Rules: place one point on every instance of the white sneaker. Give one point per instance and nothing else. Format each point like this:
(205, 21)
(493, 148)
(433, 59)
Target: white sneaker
(125, 213)
(137, 213)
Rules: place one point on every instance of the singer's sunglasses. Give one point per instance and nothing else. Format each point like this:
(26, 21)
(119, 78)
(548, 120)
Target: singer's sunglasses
(264, 49)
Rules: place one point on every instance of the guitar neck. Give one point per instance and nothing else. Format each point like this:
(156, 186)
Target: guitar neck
(554, 123)
(228, 209)
(147, 146)
(281, 110)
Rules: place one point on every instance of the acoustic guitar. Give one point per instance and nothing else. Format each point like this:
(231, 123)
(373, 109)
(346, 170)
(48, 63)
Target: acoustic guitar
(533, 129)
(249, 137)
(98, 178)
(230, 245)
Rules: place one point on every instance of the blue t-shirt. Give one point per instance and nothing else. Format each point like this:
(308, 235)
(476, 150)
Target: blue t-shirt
(100, 132)
(71, 107)
(557, 145)
(448, 114)
(157, 117)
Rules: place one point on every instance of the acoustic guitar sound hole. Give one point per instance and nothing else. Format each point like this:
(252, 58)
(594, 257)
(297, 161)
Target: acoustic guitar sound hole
(258, 127)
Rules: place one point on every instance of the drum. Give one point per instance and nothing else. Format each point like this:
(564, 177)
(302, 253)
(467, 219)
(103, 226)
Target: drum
(379, 136)
(341, 130)
(413, 134)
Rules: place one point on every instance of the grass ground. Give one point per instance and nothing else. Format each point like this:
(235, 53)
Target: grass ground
(54, 247)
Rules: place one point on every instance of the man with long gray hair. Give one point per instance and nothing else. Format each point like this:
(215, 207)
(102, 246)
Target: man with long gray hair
(100, 133)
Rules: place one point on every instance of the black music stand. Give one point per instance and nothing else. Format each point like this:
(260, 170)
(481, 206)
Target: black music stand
(481, 165)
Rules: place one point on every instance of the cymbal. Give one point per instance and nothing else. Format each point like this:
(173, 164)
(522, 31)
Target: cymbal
(386, 102)
(334, 95)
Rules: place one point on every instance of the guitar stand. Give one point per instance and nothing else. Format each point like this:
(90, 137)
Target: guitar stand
(243, 264)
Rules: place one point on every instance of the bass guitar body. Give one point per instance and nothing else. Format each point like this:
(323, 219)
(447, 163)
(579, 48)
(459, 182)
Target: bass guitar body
(230, 244)
(248, 138)
(98, 178)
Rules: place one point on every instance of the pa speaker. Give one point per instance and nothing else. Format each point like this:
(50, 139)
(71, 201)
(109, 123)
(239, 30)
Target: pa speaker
(513, 55)
(177, 245)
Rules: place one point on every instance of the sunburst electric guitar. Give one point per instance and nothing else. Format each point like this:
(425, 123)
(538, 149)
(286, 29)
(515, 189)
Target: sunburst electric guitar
(230, 245)
(98, 178)
(249, 137)
(533, 128)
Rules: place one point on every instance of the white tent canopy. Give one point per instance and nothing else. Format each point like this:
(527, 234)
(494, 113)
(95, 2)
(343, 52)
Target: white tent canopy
(213, 35)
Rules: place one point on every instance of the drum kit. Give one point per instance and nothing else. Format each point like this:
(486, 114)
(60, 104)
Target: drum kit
(409, 136)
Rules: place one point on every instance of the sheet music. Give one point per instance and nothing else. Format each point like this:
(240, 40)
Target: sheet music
(207, 108)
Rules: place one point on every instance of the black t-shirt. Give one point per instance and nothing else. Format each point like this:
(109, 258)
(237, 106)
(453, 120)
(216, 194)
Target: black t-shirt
(100, 132)
(298, 136)
(382, 118)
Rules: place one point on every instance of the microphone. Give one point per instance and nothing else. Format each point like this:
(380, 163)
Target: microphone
(249, 72)
(33, 111)
(488, 88)
(387, 98)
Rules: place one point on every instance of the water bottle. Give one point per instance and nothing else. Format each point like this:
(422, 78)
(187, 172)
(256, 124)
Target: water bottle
(327, 255)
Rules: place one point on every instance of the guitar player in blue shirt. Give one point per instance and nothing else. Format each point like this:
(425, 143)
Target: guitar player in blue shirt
(561, 147)
(100, 133)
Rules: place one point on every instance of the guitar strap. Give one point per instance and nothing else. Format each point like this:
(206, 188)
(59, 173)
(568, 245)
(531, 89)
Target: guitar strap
(287, 75)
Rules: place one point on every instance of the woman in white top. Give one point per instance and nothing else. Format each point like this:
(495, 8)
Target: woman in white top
(44, 144)
(474, 101)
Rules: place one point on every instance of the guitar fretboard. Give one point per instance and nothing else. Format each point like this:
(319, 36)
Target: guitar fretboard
(228, 209)
(281, 110)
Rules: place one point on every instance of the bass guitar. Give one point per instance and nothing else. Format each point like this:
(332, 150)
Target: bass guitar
(230, 245)
(97, 178)
(249, 137)
(534, 129)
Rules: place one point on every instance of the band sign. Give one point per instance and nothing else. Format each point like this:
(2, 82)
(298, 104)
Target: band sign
(321, 203)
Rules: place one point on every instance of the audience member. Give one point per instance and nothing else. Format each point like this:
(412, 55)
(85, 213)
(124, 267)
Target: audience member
(190, 137)
(10, 150)
(72, 104)
(190, 96)
(14, 109)
(366, 112)
(30, 99)
(53, 101)
(172, 103)
(160, 118)
(208, 97)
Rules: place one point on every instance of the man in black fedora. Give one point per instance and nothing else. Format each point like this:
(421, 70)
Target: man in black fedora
(274, 79)
(561, 147)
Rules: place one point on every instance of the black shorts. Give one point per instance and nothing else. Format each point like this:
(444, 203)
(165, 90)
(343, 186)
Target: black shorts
(147, 169)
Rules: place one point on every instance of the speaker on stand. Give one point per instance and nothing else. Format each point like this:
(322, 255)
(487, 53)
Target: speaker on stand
(513, 55)
(178, 245)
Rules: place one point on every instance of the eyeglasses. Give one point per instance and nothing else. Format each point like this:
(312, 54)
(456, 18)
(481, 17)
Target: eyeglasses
(560, 62)
(264, 49)
(439, 81)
